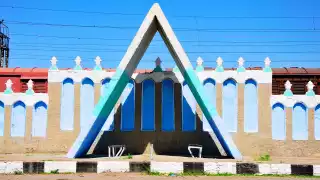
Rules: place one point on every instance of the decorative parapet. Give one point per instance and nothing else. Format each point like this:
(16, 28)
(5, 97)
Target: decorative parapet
(78, 76)
(78, 64)
(288, 91)
(97, 76)
(199, 67)
(267, 67)
(98, 64)
(290, 101)
(219, 75)
(310, 91)
(8, 97)
(30, 88)
(157, 77)
(240, 67)
(53, 64)
(158, 66)
(219, 67)
(8, 87)
(258, 75)
(29, 100)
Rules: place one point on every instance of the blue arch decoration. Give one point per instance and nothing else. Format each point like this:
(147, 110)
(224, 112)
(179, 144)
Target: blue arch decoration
(317, 122)
(1, 118)
(109, 124)
(250, 106)
(278, 122)
(189, 106)
(230, 104)
(104, 85)
(299, 122)
(128, 107)
(86, 102)
(39, 120)
(18, 119)
(167, 122)
(67, 105)
(148, 105)
(210, 90)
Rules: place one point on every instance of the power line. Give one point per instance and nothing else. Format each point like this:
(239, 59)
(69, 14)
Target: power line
(83, 46)
(140, 14)
(68, 60)
(68, 45)
(71, 37)
(43, 57)
(84, 58)
(71, 25)
(144, 60)
(71, 11)
(175, 29)
(188, 52)
(128, 39)
(71, 49)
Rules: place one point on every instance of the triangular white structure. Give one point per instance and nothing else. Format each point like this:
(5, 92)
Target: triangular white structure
(153, 22)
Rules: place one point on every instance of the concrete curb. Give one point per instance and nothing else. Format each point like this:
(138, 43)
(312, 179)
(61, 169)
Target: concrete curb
(18, 167)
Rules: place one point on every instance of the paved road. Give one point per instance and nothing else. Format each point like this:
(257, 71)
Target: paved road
(131, 176)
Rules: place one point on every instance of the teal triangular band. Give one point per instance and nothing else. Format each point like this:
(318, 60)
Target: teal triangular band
(288, 93)
(219, 69)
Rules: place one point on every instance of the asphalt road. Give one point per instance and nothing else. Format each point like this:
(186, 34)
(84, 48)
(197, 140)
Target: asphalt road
(127, 176)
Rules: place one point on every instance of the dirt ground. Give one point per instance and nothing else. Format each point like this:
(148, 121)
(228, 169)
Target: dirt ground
(145, 157)
(130, 176)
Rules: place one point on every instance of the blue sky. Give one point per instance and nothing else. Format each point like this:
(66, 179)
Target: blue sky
(228, 34)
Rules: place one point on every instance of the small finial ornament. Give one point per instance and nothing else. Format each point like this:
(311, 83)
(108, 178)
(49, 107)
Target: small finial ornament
(288, 85)
(158, 62)
(158, 65)
(288, 91)
(267, 63)
(98, 64)
(30, 88)
(310, 91)
(199, 61)
(78, 63)
(219, 61)
(54, 64)
(219, 67)
(241, 63)
(8, 87)
(199, 67)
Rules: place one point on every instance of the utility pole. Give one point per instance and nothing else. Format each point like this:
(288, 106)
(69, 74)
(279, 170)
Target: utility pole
(4, 45)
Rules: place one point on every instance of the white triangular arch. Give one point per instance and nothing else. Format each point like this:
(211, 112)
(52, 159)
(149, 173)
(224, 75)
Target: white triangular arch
(153, 22)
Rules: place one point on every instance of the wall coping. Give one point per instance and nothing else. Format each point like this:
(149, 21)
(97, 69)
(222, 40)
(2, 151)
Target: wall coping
(290, 101)
(240, 77)
(97, 76)
(28, 100)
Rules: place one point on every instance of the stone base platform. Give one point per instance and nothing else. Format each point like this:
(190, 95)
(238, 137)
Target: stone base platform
(19, 167)
(147, 157)
(44, 163)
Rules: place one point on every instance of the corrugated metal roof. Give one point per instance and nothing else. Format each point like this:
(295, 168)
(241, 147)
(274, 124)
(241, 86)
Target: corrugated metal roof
(23, 70)
(296, 71)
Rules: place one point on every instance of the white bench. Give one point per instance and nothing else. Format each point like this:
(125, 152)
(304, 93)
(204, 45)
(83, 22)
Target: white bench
(113, 148)
(195, 146)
